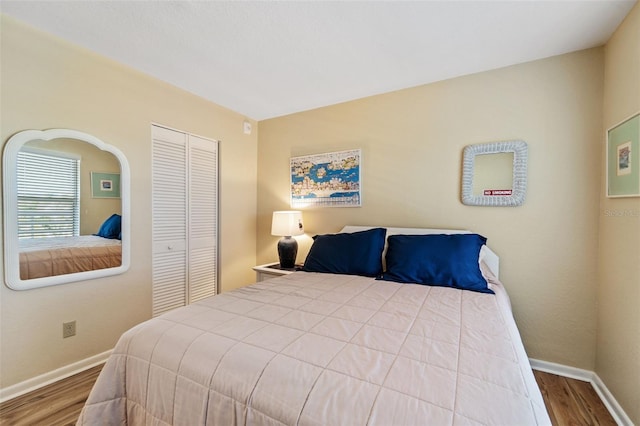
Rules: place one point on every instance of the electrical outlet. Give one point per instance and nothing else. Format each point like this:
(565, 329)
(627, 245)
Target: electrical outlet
(68, 329)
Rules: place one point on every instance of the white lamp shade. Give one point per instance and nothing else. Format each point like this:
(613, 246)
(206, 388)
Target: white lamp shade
(287, 223)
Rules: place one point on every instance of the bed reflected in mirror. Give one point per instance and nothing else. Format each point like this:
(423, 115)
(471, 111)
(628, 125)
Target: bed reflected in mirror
(66, 209)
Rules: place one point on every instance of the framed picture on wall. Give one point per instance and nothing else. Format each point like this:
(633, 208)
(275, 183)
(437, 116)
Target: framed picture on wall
(326, 180)
(105, 185)
(623, 158)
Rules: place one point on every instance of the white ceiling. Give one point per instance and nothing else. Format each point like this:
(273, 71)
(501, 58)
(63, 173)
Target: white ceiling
(267, 59)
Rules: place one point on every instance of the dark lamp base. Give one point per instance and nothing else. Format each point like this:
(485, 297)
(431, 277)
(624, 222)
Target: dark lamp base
(287, 252)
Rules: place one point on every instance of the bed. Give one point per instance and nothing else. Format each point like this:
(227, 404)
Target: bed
(325, 347)
(51, 256)
(45, 257)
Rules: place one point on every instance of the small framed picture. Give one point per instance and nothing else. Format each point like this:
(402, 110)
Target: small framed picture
(623, 158)
(105, 185)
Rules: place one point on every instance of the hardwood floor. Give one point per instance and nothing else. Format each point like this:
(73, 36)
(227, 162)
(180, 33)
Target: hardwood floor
(569, 402)
(572, 402)
(57, 404)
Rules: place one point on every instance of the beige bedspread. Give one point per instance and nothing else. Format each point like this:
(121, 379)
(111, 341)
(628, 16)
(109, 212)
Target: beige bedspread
(45, 257)
(321, 349)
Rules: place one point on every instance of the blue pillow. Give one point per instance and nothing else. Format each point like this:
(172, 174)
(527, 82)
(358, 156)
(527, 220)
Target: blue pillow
(439, 260)
(358, 253)
(111, 227)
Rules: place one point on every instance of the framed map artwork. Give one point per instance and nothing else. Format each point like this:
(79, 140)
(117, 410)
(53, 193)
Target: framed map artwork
(326, 180)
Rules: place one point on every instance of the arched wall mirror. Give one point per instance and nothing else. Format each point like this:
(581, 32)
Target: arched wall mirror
(495, 174)
(66, 208)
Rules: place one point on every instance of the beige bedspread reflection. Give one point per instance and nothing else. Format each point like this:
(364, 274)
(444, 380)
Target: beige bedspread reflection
(45, 257)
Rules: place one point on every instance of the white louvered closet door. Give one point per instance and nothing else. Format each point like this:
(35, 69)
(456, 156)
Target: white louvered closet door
(203, 211)
(185, 194)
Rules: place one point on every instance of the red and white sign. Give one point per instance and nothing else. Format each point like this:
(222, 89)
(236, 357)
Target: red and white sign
(498, 192)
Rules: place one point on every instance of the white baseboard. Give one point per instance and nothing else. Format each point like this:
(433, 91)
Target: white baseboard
(607, 398)
(37, 382)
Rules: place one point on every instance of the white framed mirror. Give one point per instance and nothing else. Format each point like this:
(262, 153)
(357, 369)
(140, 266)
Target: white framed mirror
(66, 208)
(495, 174)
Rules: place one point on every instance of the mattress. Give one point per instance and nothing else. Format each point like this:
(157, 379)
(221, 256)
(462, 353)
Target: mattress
(45, 257)
(323, 349)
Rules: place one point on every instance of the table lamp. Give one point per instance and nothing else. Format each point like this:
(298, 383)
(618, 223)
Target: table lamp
(287, 224)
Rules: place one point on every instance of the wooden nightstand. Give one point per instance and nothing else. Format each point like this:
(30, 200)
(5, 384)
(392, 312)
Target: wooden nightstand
(272, 270)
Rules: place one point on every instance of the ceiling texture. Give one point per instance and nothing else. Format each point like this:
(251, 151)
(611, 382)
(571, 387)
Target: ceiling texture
(267, 59)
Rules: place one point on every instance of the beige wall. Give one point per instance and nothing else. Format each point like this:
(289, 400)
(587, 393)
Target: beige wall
(618, 349)
(47, 83)
(412, 143)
